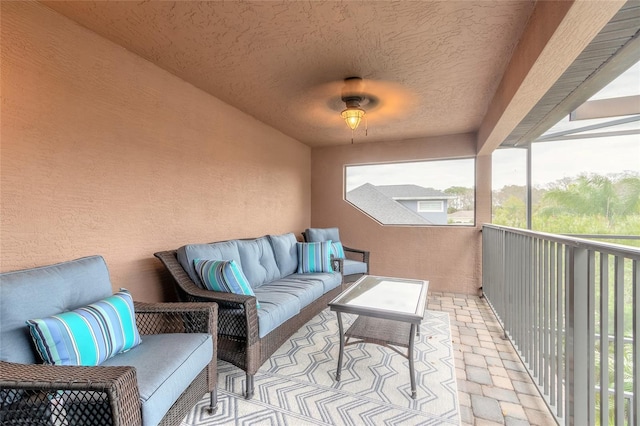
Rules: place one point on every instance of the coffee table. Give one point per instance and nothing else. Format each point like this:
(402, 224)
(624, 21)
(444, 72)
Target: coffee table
(389, 314)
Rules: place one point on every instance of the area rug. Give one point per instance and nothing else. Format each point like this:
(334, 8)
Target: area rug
(297, 386)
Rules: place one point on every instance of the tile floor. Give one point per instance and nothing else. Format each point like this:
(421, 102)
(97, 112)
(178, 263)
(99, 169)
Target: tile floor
(493, 385)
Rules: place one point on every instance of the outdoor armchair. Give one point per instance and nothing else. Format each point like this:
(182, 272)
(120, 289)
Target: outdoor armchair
(152, 383)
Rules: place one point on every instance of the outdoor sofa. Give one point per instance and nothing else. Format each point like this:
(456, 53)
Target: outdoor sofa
(160, 357)
(282, 298)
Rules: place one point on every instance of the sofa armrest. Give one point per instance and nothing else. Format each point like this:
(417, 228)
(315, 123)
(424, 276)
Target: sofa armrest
(62, 394)
(337, 263)
(189, 291)
(363, 255)
(159, 318)
(197, 294)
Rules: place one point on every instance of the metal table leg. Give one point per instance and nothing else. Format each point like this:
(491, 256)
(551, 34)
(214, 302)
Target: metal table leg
(412, 372)
(341, 334)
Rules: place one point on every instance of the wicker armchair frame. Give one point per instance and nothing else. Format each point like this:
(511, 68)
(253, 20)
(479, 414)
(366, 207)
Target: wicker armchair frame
(238, 339)
(38, 394)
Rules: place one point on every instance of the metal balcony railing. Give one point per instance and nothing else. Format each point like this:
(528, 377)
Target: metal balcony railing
(570, 307)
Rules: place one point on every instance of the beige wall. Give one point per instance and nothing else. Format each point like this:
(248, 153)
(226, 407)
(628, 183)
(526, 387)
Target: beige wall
(104, 153)
(449, 257)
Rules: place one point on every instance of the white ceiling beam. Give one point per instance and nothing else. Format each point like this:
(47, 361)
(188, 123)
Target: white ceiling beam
(592, 135)
(557, 32)
(603, 108)
(588, 128)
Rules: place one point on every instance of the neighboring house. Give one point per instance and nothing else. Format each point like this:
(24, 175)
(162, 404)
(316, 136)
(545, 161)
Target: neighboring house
(462, 217)
(401, 204)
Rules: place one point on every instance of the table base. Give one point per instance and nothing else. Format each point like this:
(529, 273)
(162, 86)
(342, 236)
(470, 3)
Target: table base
(370, 329)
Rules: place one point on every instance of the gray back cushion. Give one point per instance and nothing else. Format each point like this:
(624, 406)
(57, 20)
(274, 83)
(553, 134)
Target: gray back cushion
(42, 292)
(258, 261)
(224, 250)
(285, 252)
(322, 234)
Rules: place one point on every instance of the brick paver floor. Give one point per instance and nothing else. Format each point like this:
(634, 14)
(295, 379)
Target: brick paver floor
(493, 385)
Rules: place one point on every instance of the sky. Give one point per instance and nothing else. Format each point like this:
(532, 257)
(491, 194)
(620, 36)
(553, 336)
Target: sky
(551, 160)
(438, 174)
(555, 160)
(626, 84)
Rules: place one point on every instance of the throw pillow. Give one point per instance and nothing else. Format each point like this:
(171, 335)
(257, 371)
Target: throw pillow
(88, 335)
(337, 250)
(223, 275)
(314, 257)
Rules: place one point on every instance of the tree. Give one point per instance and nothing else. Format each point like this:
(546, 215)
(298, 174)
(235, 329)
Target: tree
(593, 195)
(465, 200)
(628, 189)
(507, 192)
(512, 213)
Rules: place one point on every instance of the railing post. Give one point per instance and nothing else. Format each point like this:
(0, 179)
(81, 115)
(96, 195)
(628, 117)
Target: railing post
(503, 274)
(618, 339)
(635, 282)
(577, 364)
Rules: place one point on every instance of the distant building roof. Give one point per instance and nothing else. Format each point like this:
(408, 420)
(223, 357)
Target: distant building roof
(382, 208)
(412, 192)
(462, 216)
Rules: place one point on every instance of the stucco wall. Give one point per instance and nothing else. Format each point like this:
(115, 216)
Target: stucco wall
(448, 256)
(104, 153)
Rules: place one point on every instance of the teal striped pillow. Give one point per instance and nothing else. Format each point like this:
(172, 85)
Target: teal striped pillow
(314, 257)
(88, 335)
(223, 275)
(337, 250)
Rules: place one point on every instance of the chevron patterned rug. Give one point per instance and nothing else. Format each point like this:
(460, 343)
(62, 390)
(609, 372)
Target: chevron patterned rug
(296, 385)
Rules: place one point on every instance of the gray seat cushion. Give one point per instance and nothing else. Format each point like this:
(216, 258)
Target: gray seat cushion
(258, 262)
(330, 280)
(323, 234)
(276, 306)
(285, 252)
(354, 267)
(284, 298)
(42, 292)
(306, 290)
(224, 250)
(166, 364)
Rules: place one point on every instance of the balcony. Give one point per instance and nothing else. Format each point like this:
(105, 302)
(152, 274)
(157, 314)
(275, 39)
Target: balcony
(569, 308)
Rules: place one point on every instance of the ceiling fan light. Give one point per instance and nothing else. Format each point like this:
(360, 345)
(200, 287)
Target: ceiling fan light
(352, 116)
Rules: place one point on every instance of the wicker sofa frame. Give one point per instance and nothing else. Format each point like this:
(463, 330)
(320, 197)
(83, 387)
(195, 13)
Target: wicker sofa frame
(106, 395)
(242, 346)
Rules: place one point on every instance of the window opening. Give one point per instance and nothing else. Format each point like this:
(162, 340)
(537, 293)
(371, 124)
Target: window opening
(417, 193)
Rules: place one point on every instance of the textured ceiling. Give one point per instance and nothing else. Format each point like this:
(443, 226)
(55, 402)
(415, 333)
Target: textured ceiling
(434, 65)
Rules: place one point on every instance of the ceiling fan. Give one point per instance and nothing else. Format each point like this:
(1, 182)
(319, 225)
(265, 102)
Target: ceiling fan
(353, 100)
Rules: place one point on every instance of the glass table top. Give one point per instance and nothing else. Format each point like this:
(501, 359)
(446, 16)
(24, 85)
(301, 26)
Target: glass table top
(384, 293)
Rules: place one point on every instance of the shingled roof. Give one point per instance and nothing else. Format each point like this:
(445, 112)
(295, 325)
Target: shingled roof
(382, 207)
(412, 192)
